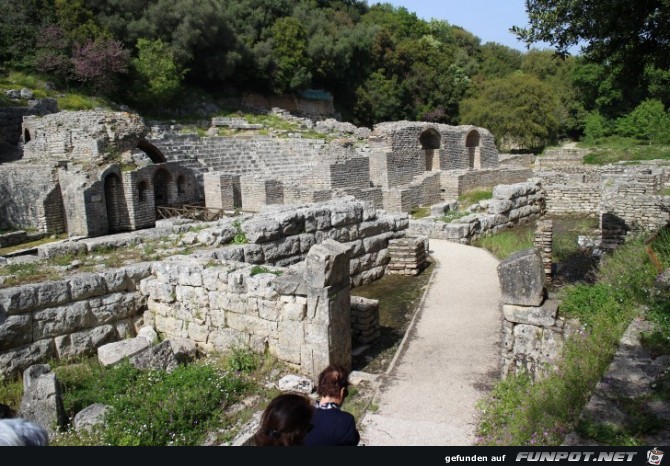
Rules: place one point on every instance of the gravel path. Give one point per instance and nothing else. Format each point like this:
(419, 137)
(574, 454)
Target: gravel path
(448, 360)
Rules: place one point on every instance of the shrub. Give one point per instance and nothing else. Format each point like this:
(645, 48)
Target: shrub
(242, 359)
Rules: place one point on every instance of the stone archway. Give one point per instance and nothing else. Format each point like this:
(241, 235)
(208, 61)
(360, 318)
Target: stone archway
(472, 144)
(431, 142)
(114, 201)
(152, 151)
(162, 181)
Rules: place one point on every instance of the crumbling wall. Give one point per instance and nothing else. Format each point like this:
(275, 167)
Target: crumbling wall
(68, 318)
(456, 182)
(511, 205)
(11, 120)
(30, 197)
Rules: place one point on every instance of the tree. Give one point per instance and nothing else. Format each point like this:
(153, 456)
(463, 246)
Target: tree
(159, 75)
(520, 110)
(292, 64)
(649, 121)
(630, 33)
(99, 62)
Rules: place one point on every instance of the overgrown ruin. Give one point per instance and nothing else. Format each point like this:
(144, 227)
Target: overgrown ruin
(319, 217)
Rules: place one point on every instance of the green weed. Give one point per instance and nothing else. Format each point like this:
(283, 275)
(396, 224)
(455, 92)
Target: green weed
(258, 269)
(242, 359)
(420, 212)
(506, 243)
(473, 197)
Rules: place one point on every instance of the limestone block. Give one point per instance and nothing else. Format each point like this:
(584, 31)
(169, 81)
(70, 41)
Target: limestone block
(191, 296)
(18, 359)
(125, 328)
(226, 234)
(280, 249)
(215, 278)
(113, 353)
(296, 383)
(313, 358)
(261, 230)
(401, 222)
(345, 213)
(226, 338)
(543, 316)
(61, 320)
(15, 330)
(372, 228)
(522, 278)
(293, 308)
(17, 300)
(50, 251)
(91, 417)
(512, 191)
(197, 332)
(84, 342)
(231, 253)
(327, 264)
(135, 273)
(51, 294)
(207, 237)
(159, 358)
(498, 206)
(291, 335)
(268, 310)
(316, 219)
(189, 277)
(291, 222)
(307, 240)
(527, 339)
(183, 349)
(42, 402)
(369, 210)
(149, 334)
(112, 307)
(87, 286)
(254, 254)
(376, 243)
(115, 280)
(250, 324)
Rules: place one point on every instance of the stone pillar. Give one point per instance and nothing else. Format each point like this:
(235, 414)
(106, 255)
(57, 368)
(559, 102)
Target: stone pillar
(408, 256)
(328, 326)
(543, 241)
(220, 190)
(364, 320)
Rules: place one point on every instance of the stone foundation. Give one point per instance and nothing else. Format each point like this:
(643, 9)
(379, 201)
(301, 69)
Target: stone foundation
(408, 256)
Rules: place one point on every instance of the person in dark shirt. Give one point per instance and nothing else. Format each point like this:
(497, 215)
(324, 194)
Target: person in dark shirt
(331, 425)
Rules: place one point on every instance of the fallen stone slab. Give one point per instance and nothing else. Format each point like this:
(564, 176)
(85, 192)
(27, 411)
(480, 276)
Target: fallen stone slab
(113, 353)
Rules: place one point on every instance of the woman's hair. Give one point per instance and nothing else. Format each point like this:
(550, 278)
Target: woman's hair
(21, 432)
(285, 421)
(332, 380)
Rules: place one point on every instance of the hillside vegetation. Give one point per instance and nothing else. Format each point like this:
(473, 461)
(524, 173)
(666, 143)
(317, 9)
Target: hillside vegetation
(380, 63)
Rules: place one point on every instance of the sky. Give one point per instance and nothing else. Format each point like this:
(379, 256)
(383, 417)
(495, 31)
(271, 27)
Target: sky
(489, 20)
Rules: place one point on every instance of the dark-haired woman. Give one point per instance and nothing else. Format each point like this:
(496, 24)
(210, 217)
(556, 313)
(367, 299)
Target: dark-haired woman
(285, 421)
(331, 425)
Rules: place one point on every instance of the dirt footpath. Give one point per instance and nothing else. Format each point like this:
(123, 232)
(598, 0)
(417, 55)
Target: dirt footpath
(449, 358)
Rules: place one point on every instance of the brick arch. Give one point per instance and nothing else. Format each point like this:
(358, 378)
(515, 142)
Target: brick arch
(472, 144)
(162, 181)
(473, 139)
(430, 139)
(152, 151)
(114, 202)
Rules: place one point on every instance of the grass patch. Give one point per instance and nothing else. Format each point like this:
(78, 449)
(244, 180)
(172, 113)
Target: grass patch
(242, 359)
(420, 212)
(619, 149)
(11, 392)
(453, 215)
(519, 412)
(32, 244)
(258, 269)
(473, 197)
(149, 408)
(504, 244)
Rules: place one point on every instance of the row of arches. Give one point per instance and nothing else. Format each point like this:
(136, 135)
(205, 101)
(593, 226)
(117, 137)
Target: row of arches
(161, 185)
(431, 142)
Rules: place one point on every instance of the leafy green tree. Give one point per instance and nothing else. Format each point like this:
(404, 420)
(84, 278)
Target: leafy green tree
(520, 110)
(378, 99)
(21, 23)
(596, 127)
(649, 121)
(159, 76)
(497, 61)
(292, 71)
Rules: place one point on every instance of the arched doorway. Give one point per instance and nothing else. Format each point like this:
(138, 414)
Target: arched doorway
(152, 151)
(142, 188)
(472, 141)
(162, 181)
(114, 200)
(181, 185)
(430, 141)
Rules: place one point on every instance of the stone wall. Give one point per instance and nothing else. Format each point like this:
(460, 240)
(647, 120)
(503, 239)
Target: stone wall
(576, 198)
(84, 135)
(303, 318)
(423, 190)
(30, 197)
(11, 120)
(511, 205)
(317, 109)
(456, 182)
(68, 318)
